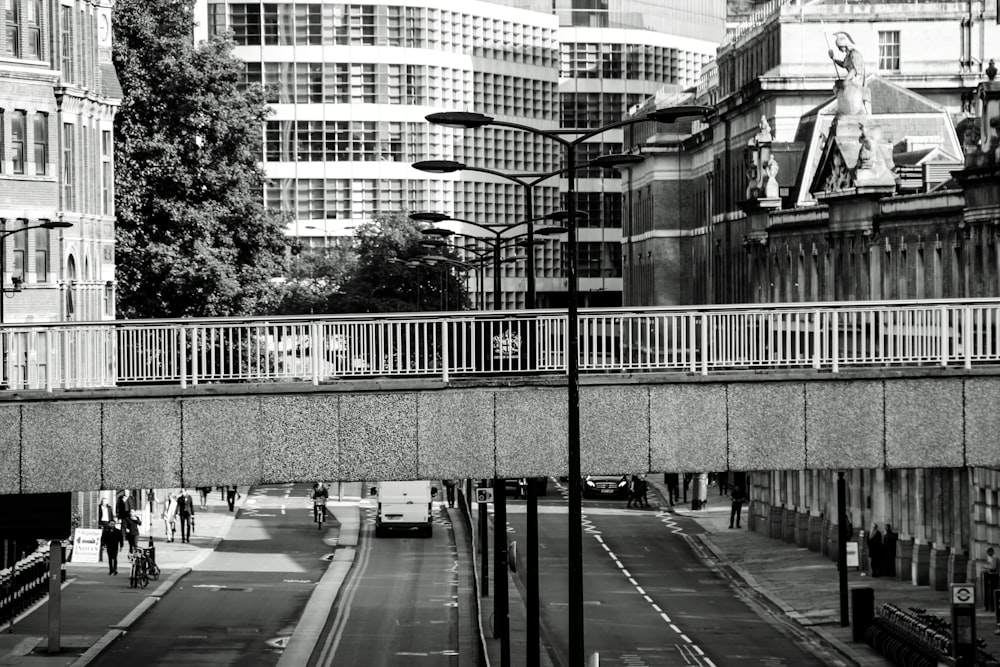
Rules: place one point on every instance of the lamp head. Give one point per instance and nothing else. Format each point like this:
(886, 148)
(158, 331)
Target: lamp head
(433, 243)
(438, 166)
(553, 230)
(429, 216)
(563, 215)
(463, 119)
(437, 231)
(684, 111)
(56, 224)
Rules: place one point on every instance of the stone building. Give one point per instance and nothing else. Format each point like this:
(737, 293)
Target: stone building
(806, 189)
(58, 97)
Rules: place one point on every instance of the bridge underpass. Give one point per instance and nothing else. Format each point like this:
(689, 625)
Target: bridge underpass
(162, 437)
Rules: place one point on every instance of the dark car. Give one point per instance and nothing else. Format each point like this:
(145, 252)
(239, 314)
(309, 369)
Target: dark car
(605, 486)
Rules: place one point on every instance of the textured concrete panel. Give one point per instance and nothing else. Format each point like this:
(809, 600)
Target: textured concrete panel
(10, 448)
(141, 442)
(300, 438)
(531, 432)
(923, 425)
(844, 424)
(454, 433)
(687, 430)
(61, 447)
(378, 437)
(222, 441)
(767, 426)
(982, 399)
(614, 429)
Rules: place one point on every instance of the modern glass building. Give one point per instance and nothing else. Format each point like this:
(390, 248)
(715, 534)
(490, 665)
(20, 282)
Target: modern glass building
(350, 85)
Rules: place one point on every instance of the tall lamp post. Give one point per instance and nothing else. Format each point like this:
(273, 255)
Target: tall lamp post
(570, 140)
(15, 282)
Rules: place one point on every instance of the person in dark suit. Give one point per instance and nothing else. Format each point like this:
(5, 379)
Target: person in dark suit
(124, 506)
(112, 540)
(875, 550)
(231, 493)
(130, 527)
(185, 510)
(736, 509)
(889, 551)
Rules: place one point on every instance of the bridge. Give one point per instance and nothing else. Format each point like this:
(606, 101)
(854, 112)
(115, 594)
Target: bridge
(191, 402)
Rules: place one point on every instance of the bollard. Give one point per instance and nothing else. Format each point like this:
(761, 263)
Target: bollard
(863, 611)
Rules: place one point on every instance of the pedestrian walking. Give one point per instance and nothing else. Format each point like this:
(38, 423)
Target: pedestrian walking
(641, 489)
(991, 578)
(112, 540)
(875, 550)
(671, 480)
(633, 487)
(152, 502)
(889, 540)
(736, 509)
(722, 479)
(130, 527)
(449, 489)
(687, 484)
(124, 506)
(170, 517)
(185, 510)
(232, 495)
(104, 515)
(203, 492)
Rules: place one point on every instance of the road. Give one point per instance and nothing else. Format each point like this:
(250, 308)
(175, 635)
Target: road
(399, 605)
(651, 597)
(239, 604)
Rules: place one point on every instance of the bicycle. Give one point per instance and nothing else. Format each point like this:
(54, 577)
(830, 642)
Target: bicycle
(139, 576)
(319, 512)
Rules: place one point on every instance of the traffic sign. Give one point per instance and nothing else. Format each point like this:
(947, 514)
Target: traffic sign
(484, 494)
(963, 593)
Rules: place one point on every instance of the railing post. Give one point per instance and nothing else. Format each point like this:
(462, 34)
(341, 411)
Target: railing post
(50, 343)
(943, 335)
(834, 342)
(817, 339)
(967, 337)
(706, 343)
(444, 350)
(194, 355)
(316, 351)
(692, 345)
(181, 361)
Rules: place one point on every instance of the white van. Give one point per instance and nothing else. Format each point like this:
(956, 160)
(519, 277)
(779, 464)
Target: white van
(404, 506)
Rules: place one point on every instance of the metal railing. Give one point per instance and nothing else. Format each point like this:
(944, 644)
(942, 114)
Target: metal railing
(317, 349)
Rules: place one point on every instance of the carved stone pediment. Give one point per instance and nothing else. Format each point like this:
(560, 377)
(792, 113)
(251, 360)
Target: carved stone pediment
(853, 156)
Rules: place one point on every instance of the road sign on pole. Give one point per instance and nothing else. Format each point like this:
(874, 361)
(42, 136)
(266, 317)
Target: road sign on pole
(484, 494)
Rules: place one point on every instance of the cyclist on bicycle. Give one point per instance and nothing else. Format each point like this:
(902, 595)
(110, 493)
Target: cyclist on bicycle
(320, 494)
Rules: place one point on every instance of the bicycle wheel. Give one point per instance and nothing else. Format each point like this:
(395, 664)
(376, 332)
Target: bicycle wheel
(144, 574)
(133, 575)
(154, 571)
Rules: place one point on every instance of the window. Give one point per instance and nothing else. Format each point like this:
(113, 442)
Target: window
(68, 172)
(41, 254)
(40, 130)
(11, 19)
(888, 50)
(2, 163)
(245, 23)
(107, 174)
(217, 19)
(33, 43)
(66, 43)
(17, 129)
(20, 251)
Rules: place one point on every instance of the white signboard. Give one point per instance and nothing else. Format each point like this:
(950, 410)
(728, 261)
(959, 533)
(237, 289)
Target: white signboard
(484, 494)
(963, 594)
(852, 555)
(86, 545)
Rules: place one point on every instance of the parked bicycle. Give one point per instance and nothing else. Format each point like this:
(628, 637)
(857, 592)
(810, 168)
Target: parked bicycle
(142, 567)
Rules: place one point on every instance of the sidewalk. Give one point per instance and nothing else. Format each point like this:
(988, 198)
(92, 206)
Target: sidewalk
(805, 585)
(97, 608)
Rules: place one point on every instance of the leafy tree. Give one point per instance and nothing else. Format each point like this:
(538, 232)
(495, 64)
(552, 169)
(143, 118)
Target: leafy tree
(193, 236)
(380, 285)
(314, 281)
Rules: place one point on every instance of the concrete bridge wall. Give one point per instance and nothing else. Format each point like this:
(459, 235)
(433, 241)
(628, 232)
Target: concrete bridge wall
(249, 434)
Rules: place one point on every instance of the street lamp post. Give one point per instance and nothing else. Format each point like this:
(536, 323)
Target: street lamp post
(472, 120)
(52, 224)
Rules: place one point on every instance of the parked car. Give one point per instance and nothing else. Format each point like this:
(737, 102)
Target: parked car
(605, 486)
(518, 486)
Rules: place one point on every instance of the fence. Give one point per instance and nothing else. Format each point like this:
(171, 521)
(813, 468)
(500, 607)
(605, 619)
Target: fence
(23, 584)
(316, 349)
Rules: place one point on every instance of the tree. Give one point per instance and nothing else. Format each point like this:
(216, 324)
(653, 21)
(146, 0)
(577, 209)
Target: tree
(314, 281)
(378, 285)
(193, 236)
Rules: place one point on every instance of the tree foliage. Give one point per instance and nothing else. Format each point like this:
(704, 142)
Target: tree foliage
(367, 278)
(193, 236)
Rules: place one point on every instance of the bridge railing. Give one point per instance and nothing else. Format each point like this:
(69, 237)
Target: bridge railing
(318, 349)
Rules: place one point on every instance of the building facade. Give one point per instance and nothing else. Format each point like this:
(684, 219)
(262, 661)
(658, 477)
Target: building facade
(351, 84)
(58, 97)
(790, 194)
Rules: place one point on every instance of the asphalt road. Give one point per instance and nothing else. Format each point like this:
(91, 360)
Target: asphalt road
(651, 598)
(399, 603)
(244, 599)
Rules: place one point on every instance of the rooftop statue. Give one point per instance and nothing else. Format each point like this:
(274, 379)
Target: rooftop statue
(853, 96)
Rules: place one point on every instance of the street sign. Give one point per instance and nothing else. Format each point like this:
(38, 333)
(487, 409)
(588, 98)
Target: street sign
(963, 594)
(853, 559)
(484, 494)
